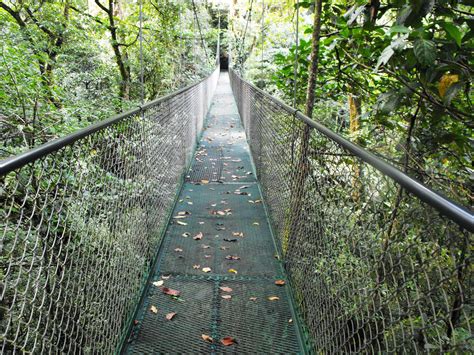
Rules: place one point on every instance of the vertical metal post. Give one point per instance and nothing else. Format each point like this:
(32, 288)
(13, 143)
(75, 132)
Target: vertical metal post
(142, 91)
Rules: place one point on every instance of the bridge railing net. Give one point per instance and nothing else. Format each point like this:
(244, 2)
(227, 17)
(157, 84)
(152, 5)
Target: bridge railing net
(81, 226)
(373, 268)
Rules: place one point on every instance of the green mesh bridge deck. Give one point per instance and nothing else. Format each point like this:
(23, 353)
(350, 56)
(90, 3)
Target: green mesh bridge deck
(221, 200)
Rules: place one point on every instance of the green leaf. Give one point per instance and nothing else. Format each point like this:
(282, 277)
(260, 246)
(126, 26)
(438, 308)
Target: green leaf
(425, 51)
(389, 101)
(385, 56)
(453, 32)
(399, 29)
(452, 92)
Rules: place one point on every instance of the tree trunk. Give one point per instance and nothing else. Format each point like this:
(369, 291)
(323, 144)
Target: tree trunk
(354, 127)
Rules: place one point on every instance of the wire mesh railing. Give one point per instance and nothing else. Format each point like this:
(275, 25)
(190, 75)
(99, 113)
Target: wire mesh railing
(377, 262)
(82, 217)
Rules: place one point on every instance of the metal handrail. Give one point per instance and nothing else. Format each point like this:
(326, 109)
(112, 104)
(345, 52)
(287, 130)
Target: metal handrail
(15, 162)
(457, 213)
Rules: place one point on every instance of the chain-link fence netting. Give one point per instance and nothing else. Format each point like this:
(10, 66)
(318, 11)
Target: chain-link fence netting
(373, 268)
(82, 218)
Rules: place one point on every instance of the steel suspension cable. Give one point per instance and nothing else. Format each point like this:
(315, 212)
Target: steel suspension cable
(242, 43)
(199, 28)
(263, 34)
(295, 83)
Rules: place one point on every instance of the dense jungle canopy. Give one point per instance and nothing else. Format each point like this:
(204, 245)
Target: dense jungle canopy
(394, 76)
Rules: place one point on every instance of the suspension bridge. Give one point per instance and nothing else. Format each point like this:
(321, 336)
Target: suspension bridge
(197, 223)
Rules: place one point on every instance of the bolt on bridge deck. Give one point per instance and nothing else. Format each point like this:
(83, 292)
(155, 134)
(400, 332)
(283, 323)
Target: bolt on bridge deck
(219, 255)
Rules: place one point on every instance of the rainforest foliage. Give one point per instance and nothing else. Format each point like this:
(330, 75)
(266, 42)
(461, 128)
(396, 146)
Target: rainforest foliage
(68, 63)
(396, 76)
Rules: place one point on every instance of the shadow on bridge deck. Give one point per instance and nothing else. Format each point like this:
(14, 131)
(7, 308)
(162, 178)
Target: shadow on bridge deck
(219, 201)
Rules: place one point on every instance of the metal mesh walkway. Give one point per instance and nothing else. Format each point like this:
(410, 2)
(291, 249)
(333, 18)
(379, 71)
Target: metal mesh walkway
(219, 254)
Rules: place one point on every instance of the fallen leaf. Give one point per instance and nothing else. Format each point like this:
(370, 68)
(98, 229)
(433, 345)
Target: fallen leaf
(153, 309)
(190, 203)
(196, 266)
(183, 213)
(198, 236)
(253, 298)
(273, 298)
(207, 338)
(204, 181)
(201, 222)
(166, 277)
(206, 269)
(181, 223)
(171, 292)
(238, 234)
(158, 283)
(207, 256)
(226, 297)
(224, 248)
(232, 257)
(280, 282)
(186, 234)
(256, 223)
(178, 250)
(290, 320)
(178, 217)
(233, 271)
(170, 316)
(204, 246)
(225, 289)
(227, 341)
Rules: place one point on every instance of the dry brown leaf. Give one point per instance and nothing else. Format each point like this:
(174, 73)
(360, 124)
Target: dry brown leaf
(238, 234)
(253, 298)
(232, 257)
(153, 309)
(256, 223)
(206, 269)
(227, 341)
(179, 217)
(178, 250)
(207, 256)
(183, 213)
(198, 236)
(233, 271)
(165, 277)
(207, 338)
(196, 266)
(181, 223)
(280, 282)
(204, 181)
(171, 292)
(226, 297)
(273, 298)
(186, 234)
(158, 283)
(204, 246)
(224, 248)
(170, 316)
(225, 289)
